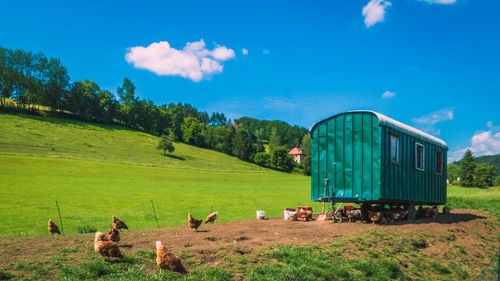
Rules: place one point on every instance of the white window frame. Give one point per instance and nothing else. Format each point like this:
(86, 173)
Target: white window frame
(417, 144)
(398, 149)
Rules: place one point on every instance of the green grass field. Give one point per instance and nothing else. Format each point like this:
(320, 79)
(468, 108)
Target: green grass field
(487, 199)
(96, 171)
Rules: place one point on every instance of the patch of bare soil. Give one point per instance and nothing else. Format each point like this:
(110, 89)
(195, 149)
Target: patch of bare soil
(475, 231)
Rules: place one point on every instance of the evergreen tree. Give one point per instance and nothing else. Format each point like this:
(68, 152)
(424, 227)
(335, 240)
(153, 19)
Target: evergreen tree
(305, 146)
(307, 165)
(274, 139)
(467, 167)
(242, 145)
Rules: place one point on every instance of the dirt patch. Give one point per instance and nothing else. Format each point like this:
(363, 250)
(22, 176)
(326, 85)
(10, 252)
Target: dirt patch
(472, 231)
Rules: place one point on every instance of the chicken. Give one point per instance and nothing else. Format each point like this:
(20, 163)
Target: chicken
(427, 212)
(434, 211)
(212, 217)
(193, 223)
(446, 210)
(393, 215)
(383, 220)
(114, 235)
(118, 224)
(105, 247)
(420, 212)
(353, 214)
(403, 214)
(167, 260)
(53, 228)
(374, 216)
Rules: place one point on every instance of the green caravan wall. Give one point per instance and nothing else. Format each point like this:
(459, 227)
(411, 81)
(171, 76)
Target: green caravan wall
(346, 149)
(403, 182)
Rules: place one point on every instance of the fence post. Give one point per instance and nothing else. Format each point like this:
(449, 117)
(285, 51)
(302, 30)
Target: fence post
(60, 219)
(154, 213)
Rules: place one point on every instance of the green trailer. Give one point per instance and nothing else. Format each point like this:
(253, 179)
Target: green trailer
(366, 157)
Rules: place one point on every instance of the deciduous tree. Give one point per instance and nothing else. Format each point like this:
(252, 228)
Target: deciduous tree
(165, 144)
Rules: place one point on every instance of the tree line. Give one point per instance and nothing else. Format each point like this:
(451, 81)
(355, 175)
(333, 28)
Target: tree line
(469, 173)
(32, 80)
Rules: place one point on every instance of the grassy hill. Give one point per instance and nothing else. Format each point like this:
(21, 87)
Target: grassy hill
(97, 171)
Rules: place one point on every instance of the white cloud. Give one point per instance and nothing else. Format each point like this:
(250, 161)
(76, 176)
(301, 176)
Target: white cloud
(388, 94)
(427, 123)
(244, 51)
(440, 1)
(374, 11)
(482, 143)
(194, 61)
(222, 53)
(435, 117)
(492, 127)
(266, 52)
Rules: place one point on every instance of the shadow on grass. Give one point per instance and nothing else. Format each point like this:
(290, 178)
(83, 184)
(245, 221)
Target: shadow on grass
(174, 157)
(444, 219)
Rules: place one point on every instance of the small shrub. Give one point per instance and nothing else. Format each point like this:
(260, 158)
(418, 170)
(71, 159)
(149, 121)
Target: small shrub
(85, 229)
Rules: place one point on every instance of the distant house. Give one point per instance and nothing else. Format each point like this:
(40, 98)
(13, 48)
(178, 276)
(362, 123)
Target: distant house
(298, 155)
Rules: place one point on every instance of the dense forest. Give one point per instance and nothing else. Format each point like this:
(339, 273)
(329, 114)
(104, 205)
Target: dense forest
(32, 81)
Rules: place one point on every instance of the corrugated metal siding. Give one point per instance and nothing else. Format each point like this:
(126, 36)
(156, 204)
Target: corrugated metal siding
(404, 181)
(346, 149)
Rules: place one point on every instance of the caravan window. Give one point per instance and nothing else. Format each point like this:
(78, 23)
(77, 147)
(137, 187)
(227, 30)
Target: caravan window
(419, 156)
(394, 148)
(439, 162)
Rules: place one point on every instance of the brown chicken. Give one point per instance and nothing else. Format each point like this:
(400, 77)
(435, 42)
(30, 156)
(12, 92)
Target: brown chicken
(383, 220)
(434, 212)
(114, 235)
(167, 260)
(393, 215)
(427, 212)
(193, 223)
(53, 228)
(105, 247)
(374, 216)
(212, 217)
(118, 224)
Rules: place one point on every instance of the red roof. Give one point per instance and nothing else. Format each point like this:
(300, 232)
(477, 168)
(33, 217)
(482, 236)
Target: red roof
(296, 151)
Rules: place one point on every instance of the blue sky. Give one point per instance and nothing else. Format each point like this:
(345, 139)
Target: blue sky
(437, 62)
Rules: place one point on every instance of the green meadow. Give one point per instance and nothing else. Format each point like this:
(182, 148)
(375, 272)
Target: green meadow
(96, 171)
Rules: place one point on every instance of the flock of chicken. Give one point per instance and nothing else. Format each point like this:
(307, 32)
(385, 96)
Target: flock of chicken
(381, 215)
(107, 245)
